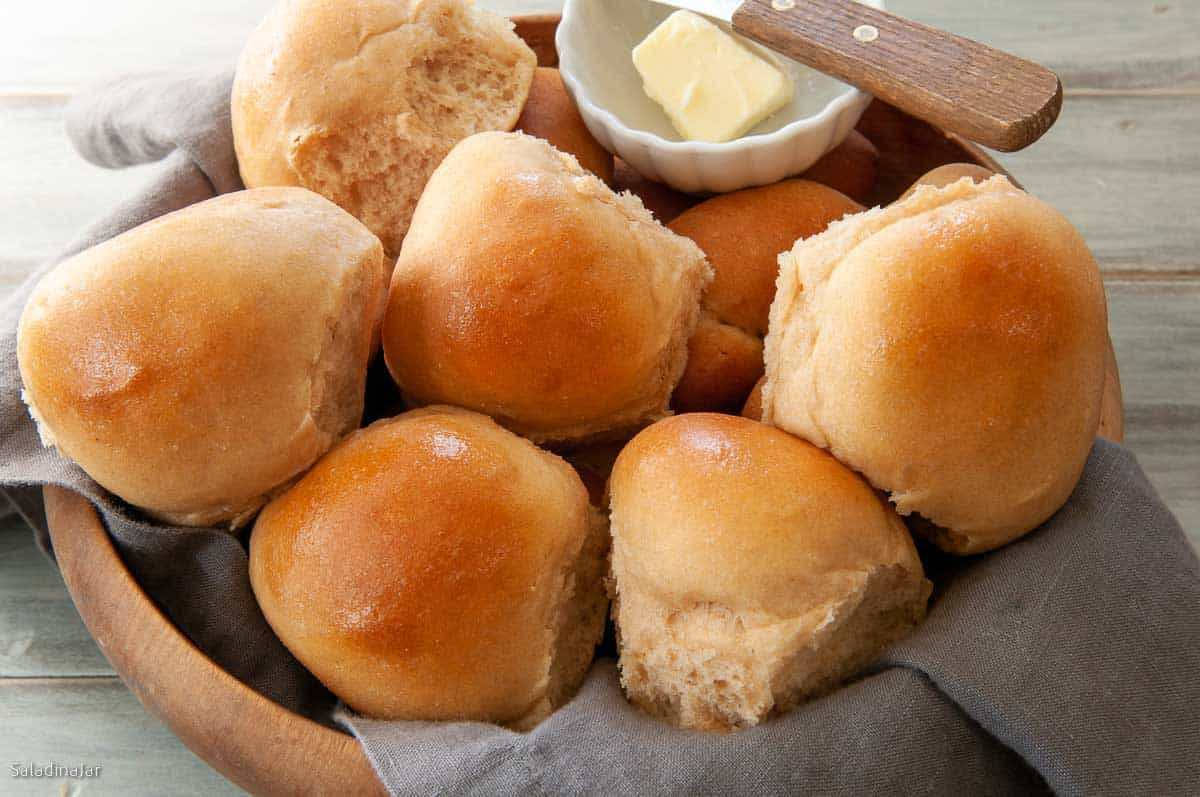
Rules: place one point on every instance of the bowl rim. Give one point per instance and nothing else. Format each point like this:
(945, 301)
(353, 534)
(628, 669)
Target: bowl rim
(843, 102)
(218, 718)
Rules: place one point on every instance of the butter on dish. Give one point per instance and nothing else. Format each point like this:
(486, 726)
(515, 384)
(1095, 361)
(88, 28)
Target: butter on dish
(711, 86)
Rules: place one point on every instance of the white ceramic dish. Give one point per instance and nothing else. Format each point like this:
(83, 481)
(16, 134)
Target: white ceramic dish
(595, 44)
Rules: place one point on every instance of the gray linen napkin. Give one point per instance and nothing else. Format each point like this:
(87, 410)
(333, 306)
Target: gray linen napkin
(1066, 661)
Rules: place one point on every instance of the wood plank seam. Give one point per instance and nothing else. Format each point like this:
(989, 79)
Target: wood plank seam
(1164, 91)
(1123, 273)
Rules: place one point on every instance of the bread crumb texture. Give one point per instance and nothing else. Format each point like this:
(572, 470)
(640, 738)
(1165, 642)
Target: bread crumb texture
(360, 101)
(750, 571)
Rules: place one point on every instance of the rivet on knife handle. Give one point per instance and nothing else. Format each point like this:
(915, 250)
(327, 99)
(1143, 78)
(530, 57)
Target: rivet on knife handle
(962, 86)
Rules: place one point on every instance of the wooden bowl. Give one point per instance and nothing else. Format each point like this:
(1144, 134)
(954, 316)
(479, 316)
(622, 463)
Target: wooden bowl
(255, 743)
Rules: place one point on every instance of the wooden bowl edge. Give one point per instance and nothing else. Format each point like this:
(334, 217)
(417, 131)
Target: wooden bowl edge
(220, 719)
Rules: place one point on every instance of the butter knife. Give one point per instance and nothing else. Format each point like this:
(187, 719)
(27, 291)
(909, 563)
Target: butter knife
(961, 86)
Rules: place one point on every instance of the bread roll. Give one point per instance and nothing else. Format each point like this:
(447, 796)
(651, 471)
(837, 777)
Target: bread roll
(1112, 422)
(661, 200)
(851, 167)
(550, 113)
(1112, 411)
(752, 409)
(359, 100)
(951, 348)
(529, 291)
(751, 570)
(723, 364)
(434, 566)
(199, 362)
(742, 234)
(948, 174)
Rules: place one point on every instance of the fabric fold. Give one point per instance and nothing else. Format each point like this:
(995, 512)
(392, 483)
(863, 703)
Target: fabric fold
(136, 119)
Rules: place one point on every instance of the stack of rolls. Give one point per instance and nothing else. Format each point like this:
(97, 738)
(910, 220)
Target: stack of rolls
(421, 197)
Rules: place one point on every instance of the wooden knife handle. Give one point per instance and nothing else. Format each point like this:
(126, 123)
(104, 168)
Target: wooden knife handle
(962, 86)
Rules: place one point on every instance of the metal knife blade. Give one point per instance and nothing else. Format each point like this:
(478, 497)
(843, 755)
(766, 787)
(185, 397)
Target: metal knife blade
(717, 9)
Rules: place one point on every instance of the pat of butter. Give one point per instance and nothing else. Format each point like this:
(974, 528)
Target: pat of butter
(713, 87)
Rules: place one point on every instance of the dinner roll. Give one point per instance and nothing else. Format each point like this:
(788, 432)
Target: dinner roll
(742, 234)
(550, 113)
(661, 200)
(751, 571)
(196, 364)
(724, 361)
(948, 174)
(951, 348)
(434, 566)
(359, 100)
(752, 409)
(1112, 423)
(1112, 410)
(851, 167)
(529, 291)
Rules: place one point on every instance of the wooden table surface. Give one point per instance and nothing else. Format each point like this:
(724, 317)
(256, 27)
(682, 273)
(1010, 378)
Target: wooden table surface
(1123, 164)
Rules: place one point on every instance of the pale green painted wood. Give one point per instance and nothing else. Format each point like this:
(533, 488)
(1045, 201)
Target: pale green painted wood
(1156, 331)
(95, 721)
(40, 631)
(1126, 171)
(50, 193)
(1091, 43)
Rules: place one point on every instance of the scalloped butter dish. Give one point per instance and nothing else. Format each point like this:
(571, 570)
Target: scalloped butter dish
(595, 42)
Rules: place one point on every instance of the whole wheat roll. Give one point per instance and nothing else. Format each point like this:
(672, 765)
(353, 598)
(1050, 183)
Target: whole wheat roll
(196, 364)
(951, 348)
(550, 113)
(528, 290)
(435, 566)
(851, 167)
(949, 173)
(661, 200)
(742, 234)
(359, 100)
(751, 571)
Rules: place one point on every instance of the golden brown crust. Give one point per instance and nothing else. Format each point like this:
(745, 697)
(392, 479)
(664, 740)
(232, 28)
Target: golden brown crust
(196, 363)
(851, 167)
(1112, 414)
(550, 113)
(723, 364)
(742, 234)
(752, 570)
(420, 568)
(948, 174)
(780, 519)
(360, 100)
(951, 348)
(663, 201)
(529, 291)
(752, 409)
